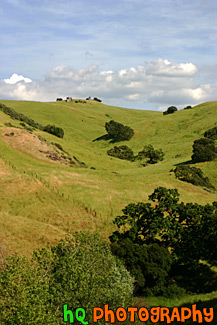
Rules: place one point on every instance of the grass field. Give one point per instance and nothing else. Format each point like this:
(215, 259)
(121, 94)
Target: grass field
(42, 199)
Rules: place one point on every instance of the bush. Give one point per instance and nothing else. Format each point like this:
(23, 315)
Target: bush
(118, 131)
(57, 131)
(79, 272)
(149, 265)
(211, 133)
(153, 155)
(188, 107)
(97, 99)
(122, 152)
(170, 110)
(203, 150)
(192, 175)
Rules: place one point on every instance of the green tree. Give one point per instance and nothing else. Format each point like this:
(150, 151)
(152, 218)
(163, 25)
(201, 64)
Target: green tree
(188, 230)
(170, 110)
(203, 150)
(153, 155)
(192, 175)
(121, 152)
(211, 133)
(118, 131)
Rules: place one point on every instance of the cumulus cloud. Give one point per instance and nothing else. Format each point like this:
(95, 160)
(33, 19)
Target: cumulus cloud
(154, 84)
(15, 78)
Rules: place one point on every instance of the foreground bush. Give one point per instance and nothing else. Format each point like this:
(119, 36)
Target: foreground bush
(79, 272)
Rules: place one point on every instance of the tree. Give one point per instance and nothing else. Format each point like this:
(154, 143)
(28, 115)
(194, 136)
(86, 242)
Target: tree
(203, 150)
(188, 230)
(149, 152)
(170, 110)
(150, 266)
(192, 175)
(79, 271)
(118, 131)
(121, 152)
(211, 133)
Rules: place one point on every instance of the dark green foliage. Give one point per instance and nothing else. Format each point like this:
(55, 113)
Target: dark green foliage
(118, 131)
(170, 110)
(188, 107)
(97, 99)
(149, 265)
(149, 152)
(59, 99)
(55, 130)
(79, 272)
(192, 175)
(211, 133)
(122, 152)
(189, 230)
(80, 101)
(203, 150)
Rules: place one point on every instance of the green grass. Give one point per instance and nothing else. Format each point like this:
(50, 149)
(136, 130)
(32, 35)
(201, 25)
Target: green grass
(41, 201)
(84, 198)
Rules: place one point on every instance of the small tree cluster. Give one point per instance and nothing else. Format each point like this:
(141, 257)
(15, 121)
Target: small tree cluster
(153, 155)
(121, 152)
(211, 133)
(192, 175)
(170, 110)
(204, 150)
(118, 131)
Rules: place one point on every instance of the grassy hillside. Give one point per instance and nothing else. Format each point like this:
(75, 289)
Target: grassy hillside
(43, 196)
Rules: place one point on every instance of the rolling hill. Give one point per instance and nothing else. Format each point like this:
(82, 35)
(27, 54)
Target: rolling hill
(51, 186)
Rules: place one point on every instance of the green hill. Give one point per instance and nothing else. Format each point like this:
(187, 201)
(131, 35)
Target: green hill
(45, 189)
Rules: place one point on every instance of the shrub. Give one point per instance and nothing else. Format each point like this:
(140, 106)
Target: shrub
(192, 175)
(149, 265)
(118, 131)
(122, 152)
(203, 150)
(211, 133)
(57, 131)
(153, 155)
(79, 271)
(97, 99)
(170, 110)
(188, 107)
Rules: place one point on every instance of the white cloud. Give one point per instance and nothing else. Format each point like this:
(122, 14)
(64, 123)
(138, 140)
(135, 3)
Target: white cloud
(169, 69)
(156, 84)
(15, 78)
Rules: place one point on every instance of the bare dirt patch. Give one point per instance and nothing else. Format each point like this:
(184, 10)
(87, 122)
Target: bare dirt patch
(35, 146)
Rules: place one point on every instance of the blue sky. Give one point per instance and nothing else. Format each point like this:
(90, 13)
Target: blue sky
(145, 54)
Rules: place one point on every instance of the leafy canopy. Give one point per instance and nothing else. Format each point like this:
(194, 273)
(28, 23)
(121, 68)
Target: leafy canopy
(118, 131)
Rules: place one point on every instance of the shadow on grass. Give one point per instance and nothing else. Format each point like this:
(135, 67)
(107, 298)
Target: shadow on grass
(188, 162)
(106, 137)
